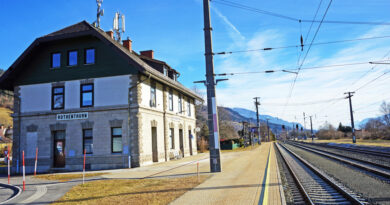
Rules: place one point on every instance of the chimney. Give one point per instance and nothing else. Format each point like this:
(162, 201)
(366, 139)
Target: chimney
(148, 53)
(110, 33)
(127, 44)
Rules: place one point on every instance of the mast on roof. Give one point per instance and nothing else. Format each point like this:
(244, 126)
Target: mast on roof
(118, 31)
(100, 12)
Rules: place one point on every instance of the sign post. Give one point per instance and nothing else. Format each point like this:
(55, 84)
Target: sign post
(9, 170)
(24, 174)
(36, 162)
(85, 152)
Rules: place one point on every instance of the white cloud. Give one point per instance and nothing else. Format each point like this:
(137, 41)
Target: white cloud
(311, 85)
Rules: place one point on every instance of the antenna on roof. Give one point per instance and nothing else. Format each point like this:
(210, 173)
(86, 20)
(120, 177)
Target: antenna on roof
(118, 31)
(100, 12)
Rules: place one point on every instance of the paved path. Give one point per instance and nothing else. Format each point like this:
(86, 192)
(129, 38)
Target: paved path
(241, 182)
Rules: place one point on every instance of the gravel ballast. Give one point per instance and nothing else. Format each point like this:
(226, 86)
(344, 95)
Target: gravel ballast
(376, 191)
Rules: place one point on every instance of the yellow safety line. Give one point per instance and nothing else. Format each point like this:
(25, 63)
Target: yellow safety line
(265, 201)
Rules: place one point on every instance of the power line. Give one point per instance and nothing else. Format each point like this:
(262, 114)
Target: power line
(371, 81)
(307, 34)
(296, 46)
(304, 68)
(372, 68)
(274, 14)
(307, 52)
(304, 103)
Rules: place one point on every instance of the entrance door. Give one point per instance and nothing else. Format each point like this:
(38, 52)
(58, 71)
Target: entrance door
(181, 142)
(59, 148)
(190, 140)
(154, 144)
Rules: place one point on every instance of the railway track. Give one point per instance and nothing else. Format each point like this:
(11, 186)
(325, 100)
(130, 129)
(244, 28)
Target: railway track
(313, 184)
(371, 167)
(354, 149)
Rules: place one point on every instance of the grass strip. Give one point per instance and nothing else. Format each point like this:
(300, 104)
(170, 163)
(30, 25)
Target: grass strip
(66, 177)
(130, 191)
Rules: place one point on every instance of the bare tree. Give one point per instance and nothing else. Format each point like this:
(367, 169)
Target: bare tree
(385, 110)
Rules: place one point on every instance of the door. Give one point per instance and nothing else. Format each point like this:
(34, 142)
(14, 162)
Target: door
(190, 140)
(154, 144)
(181, 142)
(59, 149)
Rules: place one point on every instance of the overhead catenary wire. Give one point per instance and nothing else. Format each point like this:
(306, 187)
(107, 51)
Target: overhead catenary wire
(372, 68)
(371, 81)
(304, 103)
(304, 68)
(274, 14)
(297, 46)
(307, 34)
(307, 52)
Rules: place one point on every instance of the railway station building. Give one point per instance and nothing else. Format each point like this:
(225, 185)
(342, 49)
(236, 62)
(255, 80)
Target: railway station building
(79, 89)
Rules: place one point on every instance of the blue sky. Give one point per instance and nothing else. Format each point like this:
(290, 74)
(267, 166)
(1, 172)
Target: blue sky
(174, 30)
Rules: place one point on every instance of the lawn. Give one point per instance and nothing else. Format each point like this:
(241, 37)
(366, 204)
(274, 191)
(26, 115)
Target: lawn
(130, 191)
(382, 143)
(66, 177)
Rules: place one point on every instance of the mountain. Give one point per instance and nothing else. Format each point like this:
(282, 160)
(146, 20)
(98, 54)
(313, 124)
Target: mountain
(362, 123)
(274, 121)
(235, 117)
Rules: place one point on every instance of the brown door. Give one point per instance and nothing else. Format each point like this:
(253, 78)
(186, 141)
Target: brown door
(181, 142)
(154, 144)
(190, 140)
(59, 149)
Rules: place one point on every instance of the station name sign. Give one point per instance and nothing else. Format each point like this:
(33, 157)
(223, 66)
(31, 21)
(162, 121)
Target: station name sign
(73, 116)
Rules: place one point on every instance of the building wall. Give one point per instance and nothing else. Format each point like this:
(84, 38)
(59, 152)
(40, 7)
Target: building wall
(100, 122)
(108, 91)
(158, 114)
(118, 99)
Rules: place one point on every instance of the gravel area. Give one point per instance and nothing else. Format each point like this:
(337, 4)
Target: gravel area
(375, 159)
(377, 192)
(282, 169)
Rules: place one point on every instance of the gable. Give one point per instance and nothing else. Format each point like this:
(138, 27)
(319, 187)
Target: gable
(37, 68)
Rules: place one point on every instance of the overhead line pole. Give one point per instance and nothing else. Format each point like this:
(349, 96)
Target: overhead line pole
(350, 94)
(268, 130)
(311, 129)
(257, 103)
(214, 146)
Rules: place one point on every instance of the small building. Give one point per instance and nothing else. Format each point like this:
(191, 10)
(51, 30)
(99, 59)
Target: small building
(230, 144)
(78, 89)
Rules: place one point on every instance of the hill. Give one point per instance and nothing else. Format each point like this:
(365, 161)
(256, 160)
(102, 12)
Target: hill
(5, 117)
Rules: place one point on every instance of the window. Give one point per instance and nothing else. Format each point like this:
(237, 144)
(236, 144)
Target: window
(170, 100)
(72, 58)
(180, 104)
(189, 107)
(57, 97)
(153, 94)
(87, 141)
(165, 71)
(116, 140)
(172, 137)
(89, 56)
(174, 76)
(86, 95)
(55, 60)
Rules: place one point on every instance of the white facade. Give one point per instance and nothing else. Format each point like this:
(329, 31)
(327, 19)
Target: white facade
(108, 91)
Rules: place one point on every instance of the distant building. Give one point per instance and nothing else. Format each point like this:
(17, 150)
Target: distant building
(78, 89)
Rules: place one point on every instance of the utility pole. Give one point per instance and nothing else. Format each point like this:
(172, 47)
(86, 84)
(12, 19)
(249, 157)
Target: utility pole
(350, 94)
(311, 130)
(304, 125)
(215, 154)
(268, 130)
(257, 103)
